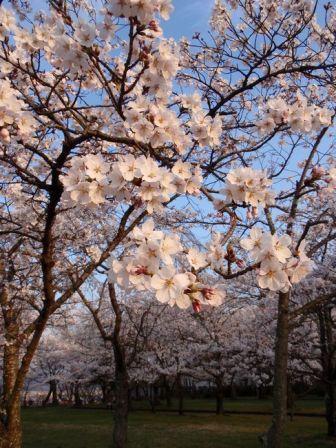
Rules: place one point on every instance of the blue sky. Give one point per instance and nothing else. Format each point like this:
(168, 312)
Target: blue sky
(188, 17)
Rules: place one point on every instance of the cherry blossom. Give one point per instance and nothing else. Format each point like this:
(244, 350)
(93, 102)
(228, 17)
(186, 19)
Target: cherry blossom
(279, 265)
(249, 186)
(170, 287)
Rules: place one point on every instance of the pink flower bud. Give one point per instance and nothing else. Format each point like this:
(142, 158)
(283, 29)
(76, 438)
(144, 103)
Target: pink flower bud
(240, 263)
(207, 293)
(140, 270)
(153, 25)
(196, 305)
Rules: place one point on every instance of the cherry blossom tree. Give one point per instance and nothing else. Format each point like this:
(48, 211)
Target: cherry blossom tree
(314, 316)
(225, 141)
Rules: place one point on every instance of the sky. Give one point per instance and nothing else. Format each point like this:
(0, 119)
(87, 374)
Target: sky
(188, 17)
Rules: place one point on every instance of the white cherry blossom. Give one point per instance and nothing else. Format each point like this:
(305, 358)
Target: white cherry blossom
(196, 259)
(170, 286)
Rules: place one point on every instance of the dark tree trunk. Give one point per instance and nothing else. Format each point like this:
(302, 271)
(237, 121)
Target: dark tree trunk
(78, 400)
(290, 401)
(219, 398)
(233, 391)
(52, 393)
(167, 393)
(152, 399)
(121, 410)
(180, 395)
(130, 399)
(168, 399)
(274, 436)
(45, 401)
(103, 391)
(331, 409)
(119, 437)
(10, 415)
(328, 362)
(156, 396)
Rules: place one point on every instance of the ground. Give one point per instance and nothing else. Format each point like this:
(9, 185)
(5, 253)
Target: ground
(75, 428)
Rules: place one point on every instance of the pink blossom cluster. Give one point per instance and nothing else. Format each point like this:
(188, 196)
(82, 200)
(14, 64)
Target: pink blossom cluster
(14, 119)
(299, 116)
(247, 186)
(280, 266)
(151, 267)
(91, 180)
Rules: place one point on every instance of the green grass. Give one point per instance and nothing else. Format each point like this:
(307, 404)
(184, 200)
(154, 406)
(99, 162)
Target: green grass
(73, 428)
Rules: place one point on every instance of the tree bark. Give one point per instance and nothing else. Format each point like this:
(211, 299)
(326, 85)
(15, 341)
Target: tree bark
(78, 400)
(233, 390)
(331, 409)
(167, 393)
(121, 410)
(119, 437)
(180, 395)
(10, 418)
(274, 436)
(152, 399)
(328, 362)
(290, 401)
(52, 393)
(219, 398)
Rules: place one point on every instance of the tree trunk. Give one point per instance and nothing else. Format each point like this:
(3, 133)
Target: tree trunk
(11, 430)
(78, 400)
(51, 393)
(130, 399)
(274, 436)
(331, 409)
(54, 400)
(233, 390)
(121, 410)
(328, 363)
(167, 393)
(119, 437)
(290, 401)
(219, 398)
(103, 391)
(180, 395)
(45, 401)
(152, 399)
(10, 423)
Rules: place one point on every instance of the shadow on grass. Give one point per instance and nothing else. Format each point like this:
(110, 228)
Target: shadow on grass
(75, 428)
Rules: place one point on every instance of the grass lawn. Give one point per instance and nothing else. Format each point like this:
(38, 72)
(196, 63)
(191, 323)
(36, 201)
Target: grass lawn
(73, 428)
(242, 404)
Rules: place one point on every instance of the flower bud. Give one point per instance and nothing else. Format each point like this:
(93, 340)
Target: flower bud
(140, 270)
(153, 25)
(207, 293)
(240, 263)
(230, 253)
(196, 304)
